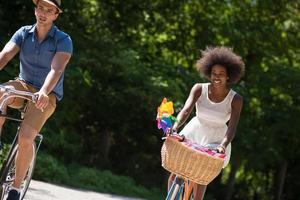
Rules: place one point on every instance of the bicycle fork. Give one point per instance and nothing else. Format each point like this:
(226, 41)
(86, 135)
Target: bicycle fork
(38, 139)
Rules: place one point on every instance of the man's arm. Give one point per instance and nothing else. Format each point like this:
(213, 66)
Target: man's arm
(58, 65)
(8, 52)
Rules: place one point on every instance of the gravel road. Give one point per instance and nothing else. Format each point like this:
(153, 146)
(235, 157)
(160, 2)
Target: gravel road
(45, 191)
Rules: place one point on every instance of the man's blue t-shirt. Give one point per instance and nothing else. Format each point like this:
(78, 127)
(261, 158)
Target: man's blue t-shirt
(36, 58)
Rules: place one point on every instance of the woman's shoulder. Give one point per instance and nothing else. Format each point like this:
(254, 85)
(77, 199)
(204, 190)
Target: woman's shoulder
(201, 85)
(198, 88)
(237, 99)
(236, 95)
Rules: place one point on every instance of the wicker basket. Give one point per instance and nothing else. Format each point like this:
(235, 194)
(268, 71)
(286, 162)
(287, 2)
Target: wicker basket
(190, 164)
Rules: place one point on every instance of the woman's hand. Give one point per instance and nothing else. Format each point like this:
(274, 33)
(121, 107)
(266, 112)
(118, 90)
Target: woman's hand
(168, 132)
(172, 130)
(221, 149)
(177, 137)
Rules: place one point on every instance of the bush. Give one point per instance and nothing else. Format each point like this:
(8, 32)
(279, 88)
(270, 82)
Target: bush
(50, 170)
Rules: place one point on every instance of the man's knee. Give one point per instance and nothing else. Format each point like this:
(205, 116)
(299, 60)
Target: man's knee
(1, 92)
(10, 101)
(27, 135)
(4, 105)
(2, 119)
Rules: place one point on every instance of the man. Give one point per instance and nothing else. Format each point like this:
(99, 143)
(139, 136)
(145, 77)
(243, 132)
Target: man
(44, 53)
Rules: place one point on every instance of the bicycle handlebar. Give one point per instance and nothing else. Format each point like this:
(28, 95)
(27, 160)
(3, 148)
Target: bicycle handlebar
(181, 138)
(10, 92)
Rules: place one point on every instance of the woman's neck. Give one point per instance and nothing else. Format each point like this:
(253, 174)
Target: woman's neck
(220, 89)
(217, 94)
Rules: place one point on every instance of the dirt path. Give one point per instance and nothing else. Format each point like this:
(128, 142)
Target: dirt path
(45, 191)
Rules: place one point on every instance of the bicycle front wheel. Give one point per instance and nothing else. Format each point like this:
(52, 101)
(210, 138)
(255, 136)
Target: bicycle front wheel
(177, 189)
(10, 171)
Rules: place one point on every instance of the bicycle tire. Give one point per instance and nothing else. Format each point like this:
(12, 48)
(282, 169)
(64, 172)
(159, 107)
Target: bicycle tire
(5, 169)
(9, 172)
(176, 191)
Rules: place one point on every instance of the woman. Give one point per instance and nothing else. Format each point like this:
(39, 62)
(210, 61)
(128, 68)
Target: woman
(218, 107)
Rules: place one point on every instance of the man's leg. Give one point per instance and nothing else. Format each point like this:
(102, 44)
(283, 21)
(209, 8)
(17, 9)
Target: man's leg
(14, 102)
(2, 119)
(25, 152)
(34, 119)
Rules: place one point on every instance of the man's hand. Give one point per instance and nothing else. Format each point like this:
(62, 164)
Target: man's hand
(42, 101)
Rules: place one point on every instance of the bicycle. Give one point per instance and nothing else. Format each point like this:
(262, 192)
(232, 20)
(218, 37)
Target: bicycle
(182, 187)
(7, 171)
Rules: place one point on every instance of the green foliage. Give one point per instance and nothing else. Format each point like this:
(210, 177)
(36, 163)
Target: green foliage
(4, 152)
(49, 169)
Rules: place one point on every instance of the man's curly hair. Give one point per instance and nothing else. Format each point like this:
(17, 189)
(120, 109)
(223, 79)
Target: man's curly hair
(225, 57)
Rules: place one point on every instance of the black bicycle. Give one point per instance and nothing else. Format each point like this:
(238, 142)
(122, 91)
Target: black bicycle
(7, 172)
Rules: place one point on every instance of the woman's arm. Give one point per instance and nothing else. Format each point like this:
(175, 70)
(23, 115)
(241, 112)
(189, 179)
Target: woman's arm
(188, 106)
(236, 107)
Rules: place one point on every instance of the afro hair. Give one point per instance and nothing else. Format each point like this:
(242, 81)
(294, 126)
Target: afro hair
(225, 57)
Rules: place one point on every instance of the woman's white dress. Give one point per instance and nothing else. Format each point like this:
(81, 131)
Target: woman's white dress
(208, 127)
